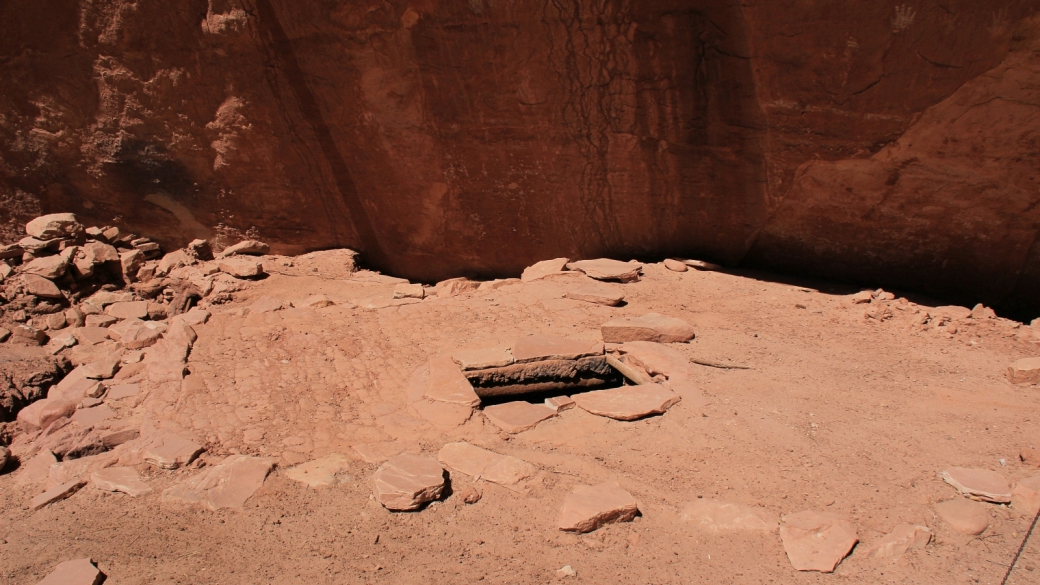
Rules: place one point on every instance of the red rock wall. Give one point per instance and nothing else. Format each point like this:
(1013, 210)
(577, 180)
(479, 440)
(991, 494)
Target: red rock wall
(868, 140)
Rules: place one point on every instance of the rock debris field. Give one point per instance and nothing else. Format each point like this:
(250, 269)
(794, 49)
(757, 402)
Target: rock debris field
(230, 416)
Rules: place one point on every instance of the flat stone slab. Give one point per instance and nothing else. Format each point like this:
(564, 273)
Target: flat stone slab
(56, 493)
(170, 451)
(409, 291)
(648, 327)
(75, 572)
(49, 267)
(480, 359)
(379, 452)
(41, 287)
(587, 508)
(480, 463)
(519, 416)
(560, 403)
(607, 269)
(817, 541)
(227, 485)
(120, 391)
(325, 472)
(902, 539)
(544, 268)
(443, 415)
(89, 417)
(240, 267)
(675, 265)
(447, 384)
(657, 358)
(120, 479)
(406, 482)
(40, 414)
(91, 335)
(981, 484)
(1025, 496)
(128, 310)
(1024, 371)
(964, 516)
(716, 516)
(553, 347)
(628, 402)
(600, 294)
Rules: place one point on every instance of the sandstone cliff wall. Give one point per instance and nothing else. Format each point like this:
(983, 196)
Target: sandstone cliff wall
(889, 142)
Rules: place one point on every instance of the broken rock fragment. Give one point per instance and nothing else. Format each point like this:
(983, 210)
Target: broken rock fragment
(477, 462)
(55, 225)
(607, 269)
(409, 291)
(479, 359)
(171, 451)
(675, 265)
(627, 402)
(964, 516)
(553, 347)
(710, 515)
(75, 572)
(544, 268)
(648, 327)
(598, 293)
(240, 267)
(447, 384)
(49, 267)
(406, 482)
(41, 287)
(519, 416)
(120, 479)
(1025, 496)
(817, 541)
(587, 508)
(1025, 370)
(327, 471)
(980, 484)
(226, 485)
(250, 247)
(903, 538)
(56, 493)
(128, 310)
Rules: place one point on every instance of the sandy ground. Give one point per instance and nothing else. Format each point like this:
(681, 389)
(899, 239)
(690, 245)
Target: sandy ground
(840, 413)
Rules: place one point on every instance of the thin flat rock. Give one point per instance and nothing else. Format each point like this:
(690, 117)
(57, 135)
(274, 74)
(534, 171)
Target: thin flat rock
(648, 327)
(406, 482)
(56, 493)
(817, 541)
(75, 572)
(479, 359)
(627, 402)
(1025, 496)
(587, 508)
(447, 384)
(600, 294)
(170, 451)
(516, 417)
(964, 516)
(544, 268)
(120, 479)
(487, 465)
(607, 269)
(227, 485)
(553, 347)
(981, 484)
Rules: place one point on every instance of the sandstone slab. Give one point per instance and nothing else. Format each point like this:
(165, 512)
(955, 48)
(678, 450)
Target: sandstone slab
(628, 402)
(91, 335)
(716, 516)
(540, 270)
(553, 347)
(1024, 371)
(248, 247)
(139, 337)
(519, 416)
(41, 287)
(119, 391)
(902, 539)
(100, 321)
(607, 269)
(964, 516)
(40, 414)
(479, 359)
(980, 484)
(600, 294)
(1025, 496)
(648, 327)
(817, 541)
(675, 265)
(560, 403)
(56, 493)
(89, 417)
(324, 472)
(406, 482)
(480, 463)
(447, 384)
(240, 267)
(443, 415)
(587, 508)
(171, 451)
(49, 267)
(75, 572)
(409, 291)
(226, 485)
(657, 358)
(702, 265)
(120, 479)
(128, 310)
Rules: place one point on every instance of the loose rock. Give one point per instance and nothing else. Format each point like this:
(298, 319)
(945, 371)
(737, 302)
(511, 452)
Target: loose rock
(55, 225)
(241, 267)
(479, 359)
(406, 482)
(817, 541)
(903, 538)
(447, 384)
(250, 247)
(49, 267)
(1025, 496)
(964, 516)
(470, 494)
(649, 327)
(544, 268)
(607, 269)
(553, 347)
(120, 479)
(41, 287)
(598, 293)
(519, 416)
(675, 265)
(587, 508)
(76, 572)
(979, 483)
(409, 291)
(56, 493)
(628, 402)
(171, 451)
(1025, 370)
(226, 485)
(560, 403)
(483, 464)
(128, 310)
(1030, 456)
(718, 516)
(327, 471)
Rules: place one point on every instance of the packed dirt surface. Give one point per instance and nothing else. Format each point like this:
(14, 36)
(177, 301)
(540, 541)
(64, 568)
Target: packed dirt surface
(850, 405)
